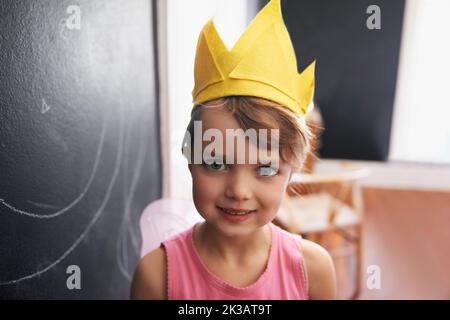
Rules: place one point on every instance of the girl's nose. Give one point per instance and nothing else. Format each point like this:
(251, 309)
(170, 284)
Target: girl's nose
(238, 186)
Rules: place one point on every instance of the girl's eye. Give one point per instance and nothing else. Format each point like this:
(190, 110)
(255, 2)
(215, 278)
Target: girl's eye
(215, 164)
(267, 171)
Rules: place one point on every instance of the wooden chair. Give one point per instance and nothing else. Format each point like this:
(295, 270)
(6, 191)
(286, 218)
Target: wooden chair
(326, 207)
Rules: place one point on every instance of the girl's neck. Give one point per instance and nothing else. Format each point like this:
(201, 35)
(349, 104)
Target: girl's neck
(235, 248)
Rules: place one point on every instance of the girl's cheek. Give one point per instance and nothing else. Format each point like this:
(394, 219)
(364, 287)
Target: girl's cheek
(206, 188)
(272, 195)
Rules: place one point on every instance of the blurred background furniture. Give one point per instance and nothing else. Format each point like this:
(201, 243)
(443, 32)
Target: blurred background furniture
(315, 123)
(325, 206)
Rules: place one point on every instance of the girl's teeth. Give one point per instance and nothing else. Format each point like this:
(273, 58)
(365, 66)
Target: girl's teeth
(235, 213)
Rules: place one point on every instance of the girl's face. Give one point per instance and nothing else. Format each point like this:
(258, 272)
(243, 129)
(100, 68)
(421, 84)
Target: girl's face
(250, 187)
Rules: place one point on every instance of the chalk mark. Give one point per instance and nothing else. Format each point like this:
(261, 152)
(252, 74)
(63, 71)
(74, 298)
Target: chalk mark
(43, 205)
(80, 196)
(44, 107)
(63, 31)
(94, 219)
(125, 226)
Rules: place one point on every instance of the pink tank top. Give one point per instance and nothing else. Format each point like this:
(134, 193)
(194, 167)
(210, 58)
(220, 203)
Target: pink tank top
(283, 279)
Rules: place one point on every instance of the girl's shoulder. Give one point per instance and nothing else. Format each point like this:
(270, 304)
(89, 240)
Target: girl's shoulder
(149, 280)
(320, 272)
(317, 265)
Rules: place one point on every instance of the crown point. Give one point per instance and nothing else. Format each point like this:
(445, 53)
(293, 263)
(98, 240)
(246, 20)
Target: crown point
(273, 5)
(261, 63)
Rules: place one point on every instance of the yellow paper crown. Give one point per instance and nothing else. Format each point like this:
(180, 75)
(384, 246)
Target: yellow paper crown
(262, 64)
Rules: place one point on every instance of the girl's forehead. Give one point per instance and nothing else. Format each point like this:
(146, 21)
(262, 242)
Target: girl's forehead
(239, 150)
(222, 136)
(218, 118)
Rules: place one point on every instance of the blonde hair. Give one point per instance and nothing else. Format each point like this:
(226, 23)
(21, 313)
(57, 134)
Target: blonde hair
(257, 113)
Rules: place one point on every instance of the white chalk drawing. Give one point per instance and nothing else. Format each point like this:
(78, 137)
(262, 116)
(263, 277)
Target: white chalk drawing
(77, 199)
(44, 106)
(63, 31)
(96, 216)
(126, 227)
(43, 205)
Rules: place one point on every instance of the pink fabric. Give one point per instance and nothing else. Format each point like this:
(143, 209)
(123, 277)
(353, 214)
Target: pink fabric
(189, 279)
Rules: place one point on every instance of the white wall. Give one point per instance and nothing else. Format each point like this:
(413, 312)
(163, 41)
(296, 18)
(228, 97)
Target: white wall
(178, 35)
(421, 123)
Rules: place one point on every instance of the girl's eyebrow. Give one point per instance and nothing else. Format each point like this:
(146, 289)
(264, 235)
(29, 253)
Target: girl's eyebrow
(223, 157)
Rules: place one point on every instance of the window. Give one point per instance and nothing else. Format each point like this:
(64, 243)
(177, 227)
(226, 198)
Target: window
(421, 124)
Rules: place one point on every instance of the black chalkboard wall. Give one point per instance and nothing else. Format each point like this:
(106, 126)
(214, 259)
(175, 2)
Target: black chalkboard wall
(79, 144)
(356, 70)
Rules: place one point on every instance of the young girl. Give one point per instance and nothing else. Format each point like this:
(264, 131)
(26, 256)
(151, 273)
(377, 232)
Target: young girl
(237, 252)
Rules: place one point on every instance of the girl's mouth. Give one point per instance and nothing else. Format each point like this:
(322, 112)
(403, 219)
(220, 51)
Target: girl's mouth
(236, 215)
